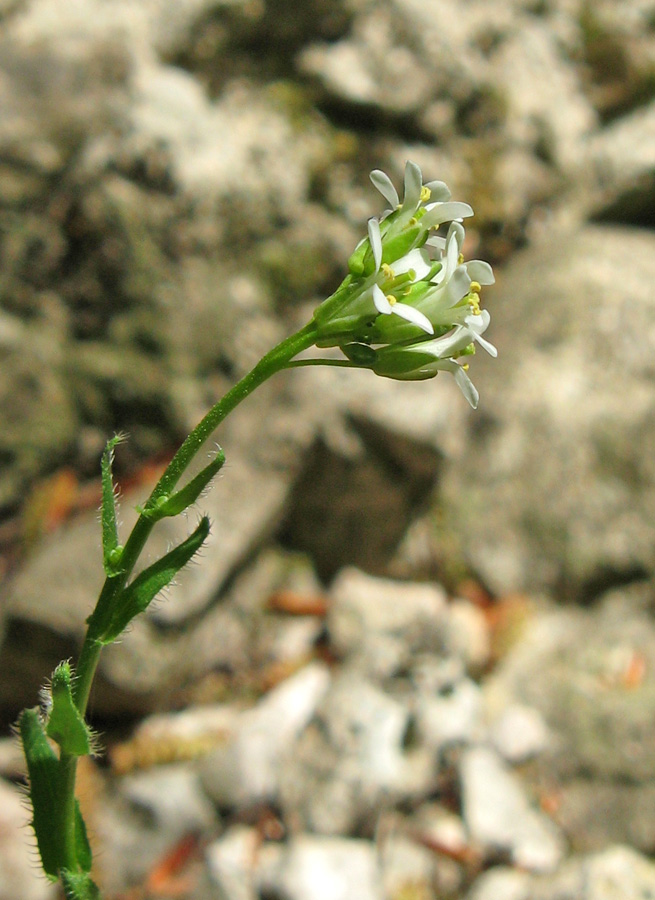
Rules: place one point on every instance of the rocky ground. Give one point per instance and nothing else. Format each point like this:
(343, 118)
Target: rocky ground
(417, 661)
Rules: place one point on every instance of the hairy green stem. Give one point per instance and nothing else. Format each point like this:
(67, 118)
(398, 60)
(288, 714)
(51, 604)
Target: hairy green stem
(278, 358)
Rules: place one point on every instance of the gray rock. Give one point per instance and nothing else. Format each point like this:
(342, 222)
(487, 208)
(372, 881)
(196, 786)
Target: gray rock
(595, 814)
(555, 490)
(351, 761)
(325, 868)
(591, 674)
(501, 882)
(380, 624)
(455, 718)
(230, 863)
(617, 873)
(519, 733)
(247, 768)
(406, 867)
(499, 817)
(149, 813)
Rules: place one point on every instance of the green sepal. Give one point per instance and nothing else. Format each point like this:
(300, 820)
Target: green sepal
(111, 549)
(396, 247)
(138, 595)
(356, 260)
(176, 503)
(361, 354)
(402, 362)
(79, 886)
(65, 724)
(45, 791)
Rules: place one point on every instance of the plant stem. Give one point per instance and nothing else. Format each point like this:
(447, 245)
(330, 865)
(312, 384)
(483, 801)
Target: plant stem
(278, 358)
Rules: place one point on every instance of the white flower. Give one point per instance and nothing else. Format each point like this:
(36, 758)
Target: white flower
(410, 305)
(425, 359)
(414, 262)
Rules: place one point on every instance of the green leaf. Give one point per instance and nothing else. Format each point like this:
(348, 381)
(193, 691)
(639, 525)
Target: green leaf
(65, 724)
(82, 846)
(138, 595)
(111, 549)
(45, 790)
(79, 886)
(176, 503)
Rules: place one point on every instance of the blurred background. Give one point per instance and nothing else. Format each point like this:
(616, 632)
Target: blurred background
(417, 660)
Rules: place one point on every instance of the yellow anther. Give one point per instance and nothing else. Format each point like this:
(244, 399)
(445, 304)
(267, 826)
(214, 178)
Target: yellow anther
(476, 286)
(460, 259)
(466, 367)
(474, 303)
(426, 193)
(387, 271)
(391, 299)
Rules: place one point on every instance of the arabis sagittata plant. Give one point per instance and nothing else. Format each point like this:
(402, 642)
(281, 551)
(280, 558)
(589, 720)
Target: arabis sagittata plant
(408, 309)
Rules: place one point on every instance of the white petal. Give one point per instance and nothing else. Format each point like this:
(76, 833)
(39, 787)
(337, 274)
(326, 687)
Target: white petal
(450, 345)
(477, 325)
(381, 303)
(464, 383)
(466, 386)
(439, 191)
(459, 284)
(445, 212)
(478, 322)
(480, 271)
(457, 233)
(418, 260)
(438, 242)
(383, 183)
(486, 345)
(375, 241)
(452, 256)
(413, 315)
(413, 185)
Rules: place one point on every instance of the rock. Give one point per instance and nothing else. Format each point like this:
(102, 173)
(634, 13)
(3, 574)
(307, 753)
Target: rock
(148, 815)
(351, 761)
(620, 158)
(501, 882)
(454, 718)
(380, 624)
(467, 634)
(230, 863)
(591, 675)
(499, 817)
(407, 868)
(551, 415)
(371, 471)
(617, 873)
(246, 770)
(325, 868)
(519, 733)
(19, 875)
(596, 813)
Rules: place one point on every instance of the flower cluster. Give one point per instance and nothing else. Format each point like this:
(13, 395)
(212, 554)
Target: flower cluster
(410, 305)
